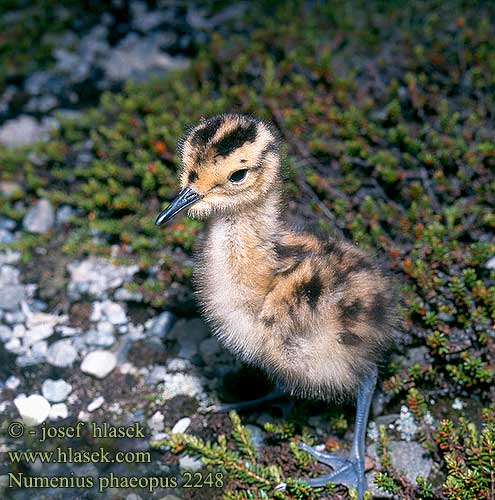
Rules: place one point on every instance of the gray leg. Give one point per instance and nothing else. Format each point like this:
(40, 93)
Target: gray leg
(349, 471)
(269, 398)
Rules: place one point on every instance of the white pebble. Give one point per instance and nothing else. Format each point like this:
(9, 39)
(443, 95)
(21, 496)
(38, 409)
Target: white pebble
(181, 425)
(57, 411)
(96, 403)
(56, 390)
(33, 409)
(99, 363)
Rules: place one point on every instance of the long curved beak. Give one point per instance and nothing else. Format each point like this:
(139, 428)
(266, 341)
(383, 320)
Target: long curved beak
(183, 200)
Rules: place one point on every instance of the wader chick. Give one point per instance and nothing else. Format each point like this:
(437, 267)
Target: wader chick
(316, 315)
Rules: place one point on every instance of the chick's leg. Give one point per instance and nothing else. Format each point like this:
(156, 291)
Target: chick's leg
(274, 398)
(349, 471)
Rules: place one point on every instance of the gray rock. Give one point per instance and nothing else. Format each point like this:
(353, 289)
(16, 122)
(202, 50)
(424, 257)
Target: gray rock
(145, 20)
(64, 213)
(95, 276)
(410, 458)
(7, 224)
(99, 363)
(61, 353)
(14, 346)
(257, 436)
(39, 218)
(138, 58)
(210, 349)
(125, 295)
(9, 188)
(197, 20)
(37, 333)
(22, 131)
(56, 391)
(6, 236)
(34, 355)
(158, 374)
(9, 275)
(187, 462)
(12, 383)
(5, 333)
(160, 325)
(9, 257)
(42, 103)
(490, 264)
(105, 327)
(11, 297)
(15, 317)
(114, 312)
(99, 339)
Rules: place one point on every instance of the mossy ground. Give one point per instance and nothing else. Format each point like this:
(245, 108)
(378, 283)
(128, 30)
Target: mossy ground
(387, 112)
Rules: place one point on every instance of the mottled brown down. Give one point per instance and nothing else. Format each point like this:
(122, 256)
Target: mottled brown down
(316, 315)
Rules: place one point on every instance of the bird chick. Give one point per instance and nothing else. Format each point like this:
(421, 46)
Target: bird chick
(316, 315)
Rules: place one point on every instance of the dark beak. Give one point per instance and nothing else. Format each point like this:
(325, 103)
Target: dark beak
(183, 200)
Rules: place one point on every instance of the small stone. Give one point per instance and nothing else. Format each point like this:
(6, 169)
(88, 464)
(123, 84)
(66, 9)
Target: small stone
(6, 237)
(181, 425)
(187, 462)
(7, 224)
(410, 458)
(490, 264)
(99, 363)
(12, 383)
(64, 213)
(156, 422)
(33, 409)
(96, 276)
(133, 496)
(9, 188)
(37, 333)
(39, 218)
(9, 257)
(96, 312)
(61, 353)
(56, 390)
(209, 350)
(125, 295)
(99, 339)
(114, 312)
(11, 296)
(158, 374)
(257, 436)
(34, 355)
(58, 411)
(22, 131)
(14, 346)
(5, 333)
(15, 318)
(96, 403)
(160, 325)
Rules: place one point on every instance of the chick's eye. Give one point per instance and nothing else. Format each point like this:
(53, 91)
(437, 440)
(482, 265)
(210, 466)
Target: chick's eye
(238, 176)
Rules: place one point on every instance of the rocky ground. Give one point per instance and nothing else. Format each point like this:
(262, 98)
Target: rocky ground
(389, 134)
